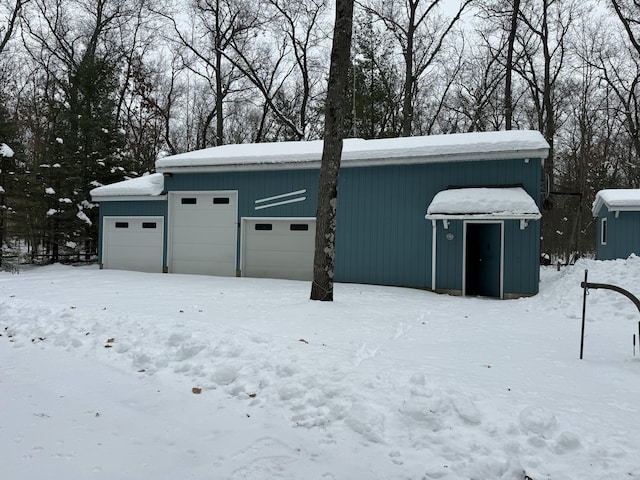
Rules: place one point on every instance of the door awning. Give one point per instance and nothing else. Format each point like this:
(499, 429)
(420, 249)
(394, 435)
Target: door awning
(483, 204)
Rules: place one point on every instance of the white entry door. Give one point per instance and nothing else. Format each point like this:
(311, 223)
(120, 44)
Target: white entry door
(133, 243)
(278, 247)
(203, 233)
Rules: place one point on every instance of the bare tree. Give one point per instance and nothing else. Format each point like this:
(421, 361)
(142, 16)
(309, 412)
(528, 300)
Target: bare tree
(282, 61)
(475, 100)
(585, 161)
(420, 32)
(215, 25)
(323, 263)
(621, 70)
(9, 18)
(628, 12)
(544, 42)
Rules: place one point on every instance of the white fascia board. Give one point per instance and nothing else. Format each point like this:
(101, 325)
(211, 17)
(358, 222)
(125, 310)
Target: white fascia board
(286, 219)
(128, 198)
(597, 205)
(362, 161)
(482, 216)
(600, 203)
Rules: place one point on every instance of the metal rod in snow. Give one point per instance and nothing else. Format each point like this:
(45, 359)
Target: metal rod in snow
(634, 344)
(584, 311)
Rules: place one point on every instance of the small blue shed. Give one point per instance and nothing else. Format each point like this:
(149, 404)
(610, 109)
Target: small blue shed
(618, 225)
(453, 213)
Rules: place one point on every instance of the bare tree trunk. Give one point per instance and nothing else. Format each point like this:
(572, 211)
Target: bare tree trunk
(508, 100)
(219, 81)
(323, 263)
(549, 84)
(409, 79)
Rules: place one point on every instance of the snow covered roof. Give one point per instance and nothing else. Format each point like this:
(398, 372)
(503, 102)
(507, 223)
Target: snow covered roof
(510, 202)
(513, 144)
(618, 199)
(146, 186)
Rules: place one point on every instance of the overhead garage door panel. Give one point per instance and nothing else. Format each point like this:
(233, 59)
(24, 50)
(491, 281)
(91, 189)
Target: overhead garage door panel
(205, 236)
(204, 233)
(279, 248)
(133, 243)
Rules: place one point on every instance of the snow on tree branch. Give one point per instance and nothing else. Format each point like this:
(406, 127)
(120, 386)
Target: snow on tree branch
(5, 150)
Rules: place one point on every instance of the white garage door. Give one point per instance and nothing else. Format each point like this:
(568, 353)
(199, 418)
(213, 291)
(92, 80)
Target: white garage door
(278, 248)
(133, 243)
(203, 233)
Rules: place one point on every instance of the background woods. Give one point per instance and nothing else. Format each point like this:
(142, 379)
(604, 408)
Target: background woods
(91, 91)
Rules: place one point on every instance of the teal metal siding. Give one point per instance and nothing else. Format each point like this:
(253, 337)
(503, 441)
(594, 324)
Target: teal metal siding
(381, 229)
(521, 258)
(255, 185)
(449, 254)
(623, 235)
(132, 208)
(384, 238)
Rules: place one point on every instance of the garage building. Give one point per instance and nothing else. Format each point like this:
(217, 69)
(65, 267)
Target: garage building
(405, 213)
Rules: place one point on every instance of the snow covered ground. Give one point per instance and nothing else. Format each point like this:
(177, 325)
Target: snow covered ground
(97, 370)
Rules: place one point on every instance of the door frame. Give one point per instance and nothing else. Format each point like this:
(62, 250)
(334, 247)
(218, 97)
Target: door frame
(464, 253)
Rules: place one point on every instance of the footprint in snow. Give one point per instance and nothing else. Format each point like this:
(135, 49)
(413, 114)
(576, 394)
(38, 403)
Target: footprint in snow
(261, 468)
(364, 353)
(266, 457)
(467, 410)
(262, 445)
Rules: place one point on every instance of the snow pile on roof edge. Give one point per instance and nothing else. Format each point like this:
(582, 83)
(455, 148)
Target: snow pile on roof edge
(147, 185)
(513, 201)
(520, 143)
(624, 198)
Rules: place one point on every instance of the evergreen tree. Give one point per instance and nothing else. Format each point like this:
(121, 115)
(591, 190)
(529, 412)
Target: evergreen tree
(9, 180)
(85, 145)
(374, 85)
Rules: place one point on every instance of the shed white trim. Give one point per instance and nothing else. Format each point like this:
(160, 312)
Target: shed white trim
(617, 200)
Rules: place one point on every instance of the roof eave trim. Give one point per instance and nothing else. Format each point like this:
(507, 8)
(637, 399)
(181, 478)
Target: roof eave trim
(483, 216)
(126, 198)
(612, 208)
(363, 161)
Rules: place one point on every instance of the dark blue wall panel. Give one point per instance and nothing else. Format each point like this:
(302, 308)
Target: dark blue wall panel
(449, 255)
(623, 235)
